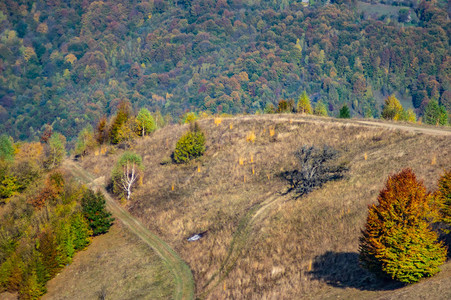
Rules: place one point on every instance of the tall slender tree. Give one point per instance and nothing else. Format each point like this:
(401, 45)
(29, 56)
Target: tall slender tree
(304, 105)
(127, 173)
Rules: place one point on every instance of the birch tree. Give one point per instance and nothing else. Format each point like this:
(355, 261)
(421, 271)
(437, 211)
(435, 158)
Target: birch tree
(127, 174)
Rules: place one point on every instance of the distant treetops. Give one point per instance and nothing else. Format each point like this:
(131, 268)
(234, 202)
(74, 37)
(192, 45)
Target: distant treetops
(123, 127)
(434, 113)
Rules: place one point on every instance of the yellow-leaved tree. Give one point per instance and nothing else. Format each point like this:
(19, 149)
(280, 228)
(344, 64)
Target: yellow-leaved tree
(397, 241)
(304, 105)
(393, 109)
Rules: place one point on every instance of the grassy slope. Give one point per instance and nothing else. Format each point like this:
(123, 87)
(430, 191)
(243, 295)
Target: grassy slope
(118, 264)
(184, 283)
(305, 247)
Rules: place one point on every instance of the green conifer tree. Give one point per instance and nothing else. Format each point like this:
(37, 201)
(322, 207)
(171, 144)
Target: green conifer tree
(444, 195)
(435, 114)
(94, 211)
(81, 231)
(6, 148)
(191, 145)
(345, 113)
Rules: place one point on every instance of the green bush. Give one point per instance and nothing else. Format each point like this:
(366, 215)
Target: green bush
(189, 146)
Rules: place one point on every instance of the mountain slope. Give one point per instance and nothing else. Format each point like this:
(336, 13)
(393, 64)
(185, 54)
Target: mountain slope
(294, 247)
(67, 63)
(182, 275)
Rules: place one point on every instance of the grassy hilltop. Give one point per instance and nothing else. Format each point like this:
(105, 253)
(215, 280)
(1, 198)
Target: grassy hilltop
(260, 243)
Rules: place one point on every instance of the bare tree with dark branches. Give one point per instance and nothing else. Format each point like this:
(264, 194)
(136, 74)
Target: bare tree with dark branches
(318, 166)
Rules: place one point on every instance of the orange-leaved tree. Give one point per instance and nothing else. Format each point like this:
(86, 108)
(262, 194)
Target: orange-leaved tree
(397, 241)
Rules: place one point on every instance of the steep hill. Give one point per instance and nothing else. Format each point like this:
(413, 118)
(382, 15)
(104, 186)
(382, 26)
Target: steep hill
(67, 63)
(259, 243)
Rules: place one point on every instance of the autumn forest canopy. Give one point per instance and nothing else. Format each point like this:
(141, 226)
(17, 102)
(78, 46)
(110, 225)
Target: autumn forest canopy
(69, 63)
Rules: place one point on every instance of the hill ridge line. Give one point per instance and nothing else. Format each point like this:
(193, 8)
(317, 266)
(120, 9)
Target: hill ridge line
(296, 118)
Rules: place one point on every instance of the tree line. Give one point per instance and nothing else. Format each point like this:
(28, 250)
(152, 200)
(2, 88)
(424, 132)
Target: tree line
(46, 216)
(69, 63)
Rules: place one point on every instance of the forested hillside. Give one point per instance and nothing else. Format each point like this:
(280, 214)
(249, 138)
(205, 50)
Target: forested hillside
(68, 63)
(46, 216)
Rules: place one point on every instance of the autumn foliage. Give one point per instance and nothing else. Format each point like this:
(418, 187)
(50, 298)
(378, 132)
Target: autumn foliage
(53, 187)
(191, 145)
(397, 241)
(444, 196)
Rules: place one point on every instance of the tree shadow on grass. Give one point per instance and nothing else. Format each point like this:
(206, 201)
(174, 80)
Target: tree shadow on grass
(342, 270)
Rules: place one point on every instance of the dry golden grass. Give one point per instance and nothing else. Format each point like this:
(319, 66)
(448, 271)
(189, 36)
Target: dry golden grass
(282, 257)
(117, 264)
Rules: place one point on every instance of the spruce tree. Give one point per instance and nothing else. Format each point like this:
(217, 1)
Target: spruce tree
(6, 148)
(344, 112)
(435, 114)
(397, 241)
(191, 145)
(94, 211)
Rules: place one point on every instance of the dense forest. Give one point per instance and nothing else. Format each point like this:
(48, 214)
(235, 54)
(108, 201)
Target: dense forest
(69, 63)
(46, 216)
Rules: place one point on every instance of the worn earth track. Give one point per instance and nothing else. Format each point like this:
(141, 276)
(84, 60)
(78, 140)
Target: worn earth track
(241, 240)
(297, 118)
(242, 237)
(184, 283)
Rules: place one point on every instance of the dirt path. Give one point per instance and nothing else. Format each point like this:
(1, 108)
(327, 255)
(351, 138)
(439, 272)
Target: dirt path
(242, 236)
(241, 240)
(296, 118)
(184, 282)
(404, 127)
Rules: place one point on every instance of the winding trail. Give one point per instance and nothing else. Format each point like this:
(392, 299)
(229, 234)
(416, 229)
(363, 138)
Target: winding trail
(184, 283)
(242, 236)
(299, 118)
(241, 240)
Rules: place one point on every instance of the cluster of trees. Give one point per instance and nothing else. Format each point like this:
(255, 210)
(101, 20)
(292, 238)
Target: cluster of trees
(22, 163)
(123, 127)
(69, 63)
(46, 217)
(398, 241)
(40, 232)
(128, 171)
(434, 113)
